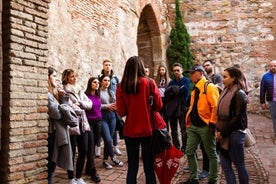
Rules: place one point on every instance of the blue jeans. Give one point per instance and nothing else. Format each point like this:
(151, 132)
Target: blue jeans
(108, 130)
(132, 147)
(272, 107)
(234, 154)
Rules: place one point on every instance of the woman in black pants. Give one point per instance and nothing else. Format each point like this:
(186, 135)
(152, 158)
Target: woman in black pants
(79, 102)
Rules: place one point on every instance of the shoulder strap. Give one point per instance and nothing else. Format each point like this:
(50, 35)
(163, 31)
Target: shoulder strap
(151, 92)
(153, 123)
(117, 79)
(205, 86)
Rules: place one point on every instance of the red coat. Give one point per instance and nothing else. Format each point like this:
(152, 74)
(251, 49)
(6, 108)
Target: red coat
(136, 109)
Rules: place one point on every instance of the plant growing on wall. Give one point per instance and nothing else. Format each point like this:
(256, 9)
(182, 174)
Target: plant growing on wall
(179, 48)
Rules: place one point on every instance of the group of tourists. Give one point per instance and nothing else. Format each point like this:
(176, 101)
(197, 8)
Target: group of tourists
(95, 109)
(210, 110)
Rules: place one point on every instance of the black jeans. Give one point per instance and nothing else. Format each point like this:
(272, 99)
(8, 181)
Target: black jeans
(95, 126)
(174, 131)
(81, 141)
(132, 147)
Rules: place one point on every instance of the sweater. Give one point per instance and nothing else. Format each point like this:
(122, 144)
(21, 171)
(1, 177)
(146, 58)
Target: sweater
(95, 112)
(136, 108)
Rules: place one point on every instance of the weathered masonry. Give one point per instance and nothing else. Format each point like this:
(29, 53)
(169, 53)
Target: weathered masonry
(80, 34)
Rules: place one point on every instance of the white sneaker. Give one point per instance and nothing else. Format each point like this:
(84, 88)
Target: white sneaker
(107, 165)
(79, 181)
(98, 152)
(72, 181)
(117, 150)
(117, 162)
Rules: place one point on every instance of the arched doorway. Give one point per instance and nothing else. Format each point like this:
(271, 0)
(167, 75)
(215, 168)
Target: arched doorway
(149, 39)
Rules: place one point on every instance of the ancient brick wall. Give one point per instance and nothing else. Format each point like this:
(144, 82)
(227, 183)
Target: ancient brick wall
(232, 32)
(24, 119)
(84, 33)
(80, 34)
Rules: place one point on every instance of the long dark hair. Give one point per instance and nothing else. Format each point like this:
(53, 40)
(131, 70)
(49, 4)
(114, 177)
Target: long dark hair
(236, 73)
(167, 76)
(110, 92)
(89, 86)
(133, 70)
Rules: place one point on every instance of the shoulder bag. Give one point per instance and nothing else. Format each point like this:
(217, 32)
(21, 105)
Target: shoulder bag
(160, 139)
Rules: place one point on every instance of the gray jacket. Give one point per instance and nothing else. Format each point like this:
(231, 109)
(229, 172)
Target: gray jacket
(62, 154)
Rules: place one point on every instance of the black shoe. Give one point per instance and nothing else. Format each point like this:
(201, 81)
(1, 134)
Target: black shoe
(95, 177)
(189, 182)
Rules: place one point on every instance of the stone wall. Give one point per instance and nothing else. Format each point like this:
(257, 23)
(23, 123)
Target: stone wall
(24, 117)
(232, 32)
(80, 34)
(83, 33)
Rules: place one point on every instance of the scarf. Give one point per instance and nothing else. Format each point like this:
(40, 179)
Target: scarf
(224, 105)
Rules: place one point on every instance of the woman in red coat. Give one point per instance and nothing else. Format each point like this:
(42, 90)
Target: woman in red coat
(133, 102)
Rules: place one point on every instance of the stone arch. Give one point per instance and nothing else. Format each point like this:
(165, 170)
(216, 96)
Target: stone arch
(149, 39)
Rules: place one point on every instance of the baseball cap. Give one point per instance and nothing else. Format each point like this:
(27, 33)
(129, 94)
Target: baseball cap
(194, 68)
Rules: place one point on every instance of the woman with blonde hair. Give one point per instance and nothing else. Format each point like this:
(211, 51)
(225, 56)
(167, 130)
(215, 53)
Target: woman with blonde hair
(79, 102)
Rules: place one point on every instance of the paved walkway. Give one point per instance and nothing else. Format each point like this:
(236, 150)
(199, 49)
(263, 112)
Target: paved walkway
(260, 160)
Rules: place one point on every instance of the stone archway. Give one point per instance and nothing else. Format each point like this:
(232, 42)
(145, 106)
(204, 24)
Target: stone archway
(149, 39)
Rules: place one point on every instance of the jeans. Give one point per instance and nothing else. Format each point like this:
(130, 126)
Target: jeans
(80, 141)
(206, 136)
(133, 150)
(234, 154)
(174, 131)
(272, 107)
(51, 165)
(108, 130)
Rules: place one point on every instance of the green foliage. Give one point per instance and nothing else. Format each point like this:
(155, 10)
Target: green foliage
(179, 49)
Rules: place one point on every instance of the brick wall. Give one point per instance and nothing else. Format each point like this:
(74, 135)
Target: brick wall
(232, 32)
(24, 118)
(80, 34)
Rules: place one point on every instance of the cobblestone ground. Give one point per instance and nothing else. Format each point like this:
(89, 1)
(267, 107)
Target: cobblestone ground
(260, 160)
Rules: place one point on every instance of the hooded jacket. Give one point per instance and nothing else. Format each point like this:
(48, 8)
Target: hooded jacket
(207, 103)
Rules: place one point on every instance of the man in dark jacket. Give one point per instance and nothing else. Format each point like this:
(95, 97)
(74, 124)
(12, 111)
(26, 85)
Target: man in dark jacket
(268, 92)
(177, 94)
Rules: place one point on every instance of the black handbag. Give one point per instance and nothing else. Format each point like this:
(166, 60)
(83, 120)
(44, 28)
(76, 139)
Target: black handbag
(160, 139)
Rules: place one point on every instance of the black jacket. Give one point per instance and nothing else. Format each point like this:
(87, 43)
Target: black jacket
(237, 114)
